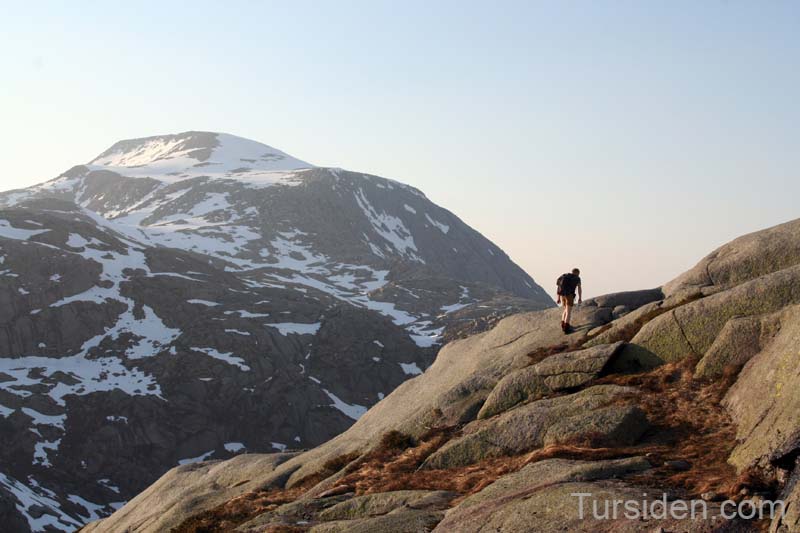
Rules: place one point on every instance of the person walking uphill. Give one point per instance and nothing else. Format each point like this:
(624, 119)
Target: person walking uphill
(567, 285)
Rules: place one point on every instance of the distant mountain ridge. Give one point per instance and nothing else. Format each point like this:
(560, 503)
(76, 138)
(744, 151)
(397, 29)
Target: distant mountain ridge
(199, 295)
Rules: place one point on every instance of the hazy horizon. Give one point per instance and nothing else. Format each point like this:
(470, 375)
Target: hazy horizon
(628, 140)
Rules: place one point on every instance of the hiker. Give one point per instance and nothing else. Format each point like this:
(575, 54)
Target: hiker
(567, 284)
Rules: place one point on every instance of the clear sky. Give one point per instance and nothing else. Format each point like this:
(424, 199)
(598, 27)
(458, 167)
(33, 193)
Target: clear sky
(626, 138)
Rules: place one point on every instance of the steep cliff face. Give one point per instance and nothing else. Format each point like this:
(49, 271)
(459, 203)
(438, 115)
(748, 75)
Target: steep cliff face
(198, 296)
(689, 391)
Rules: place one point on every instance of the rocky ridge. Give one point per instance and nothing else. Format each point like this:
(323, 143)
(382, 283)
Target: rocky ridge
(688, 392)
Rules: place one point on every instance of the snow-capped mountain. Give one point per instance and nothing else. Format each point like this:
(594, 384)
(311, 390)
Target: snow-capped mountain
(198, 295)
(192, 154)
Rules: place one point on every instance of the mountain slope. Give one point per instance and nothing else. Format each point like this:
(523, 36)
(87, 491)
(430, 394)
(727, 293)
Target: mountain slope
(199, 295)
(690, 390)
(294, 218)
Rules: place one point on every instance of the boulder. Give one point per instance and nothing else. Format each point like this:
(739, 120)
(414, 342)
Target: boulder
(740, 339)
(191, 489)
(620, 311)
(692, 328)
(609, 426)
(556, 373)
(743, 259)
(574, 369)
(385, 502)
(765, 400)
(583, 415)
(631, 359)
(622, 326)
(629, 299)
(518, 387)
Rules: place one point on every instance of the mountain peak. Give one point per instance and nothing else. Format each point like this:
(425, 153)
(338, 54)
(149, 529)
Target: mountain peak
(192, 154)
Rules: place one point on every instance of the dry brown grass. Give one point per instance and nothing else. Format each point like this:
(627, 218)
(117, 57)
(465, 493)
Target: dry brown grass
(395, 440)
(387, 469)
(235, 512)
(330, 467)
(397, 449)
(689, 424)
(540, 354)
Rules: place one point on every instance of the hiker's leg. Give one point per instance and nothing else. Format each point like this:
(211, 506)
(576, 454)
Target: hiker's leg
(567, 312)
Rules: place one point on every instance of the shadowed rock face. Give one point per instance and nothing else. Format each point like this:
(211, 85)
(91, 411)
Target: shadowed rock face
(765, 402)
(197, 296)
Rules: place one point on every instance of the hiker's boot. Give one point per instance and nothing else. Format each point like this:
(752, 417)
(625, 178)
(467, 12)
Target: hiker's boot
(567, 328)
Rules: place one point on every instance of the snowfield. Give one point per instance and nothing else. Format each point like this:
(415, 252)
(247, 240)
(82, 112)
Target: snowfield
(172, 160)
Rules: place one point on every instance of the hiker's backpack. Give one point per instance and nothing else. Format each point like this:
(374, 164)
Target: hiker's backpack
(566, 283)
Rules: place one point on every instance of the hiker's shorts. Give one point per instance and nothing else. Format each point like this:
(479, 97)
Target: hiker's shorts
(568, 299)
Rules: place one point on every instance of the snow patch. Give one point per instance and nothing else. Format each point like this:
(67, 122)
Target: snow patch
(19, 234)
(234, 447)
(297, 328)
(411, 369)
(170, 159)
(203, 302)
(444, 228)
(227, 357)
(353, 411)
(198, 459)
(390, 228)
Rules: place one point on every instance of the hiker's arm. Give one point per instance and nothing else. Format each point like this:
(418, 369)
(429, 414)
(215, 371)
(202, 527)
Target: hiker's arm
(580, 293)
